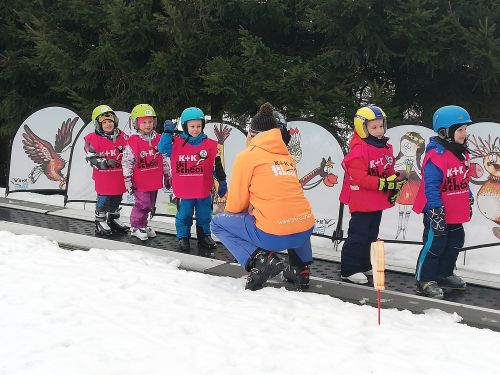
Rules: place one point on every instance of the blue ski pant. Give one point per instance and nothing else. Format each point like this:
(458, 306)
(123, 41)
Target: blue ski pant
(242, 238)
(363, 230)
(440, 252)
(184, 217)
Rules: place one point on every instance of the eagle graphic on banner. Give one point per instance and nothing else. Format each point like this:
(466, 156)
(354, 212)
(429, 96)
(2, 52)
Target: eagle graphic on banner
(48, 157)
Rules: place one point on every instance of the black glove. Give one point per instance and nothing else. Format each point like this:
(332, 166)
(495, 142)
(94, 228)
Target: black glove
(436, 217)
(111, 163)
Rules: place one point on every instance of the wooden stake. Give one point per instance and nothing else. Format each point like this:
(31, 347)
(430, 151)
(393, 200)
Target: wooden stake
(378, 267)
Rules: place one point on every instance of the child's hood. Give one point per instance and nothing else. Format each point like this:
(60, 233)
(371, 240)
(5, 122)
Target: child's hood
(355, 141)
(270, 141)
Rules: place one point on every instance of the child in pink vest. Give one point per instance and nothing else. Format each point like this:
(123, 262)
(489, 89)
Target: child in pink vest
(445, 199)
(145, 169)
(370, 186)
(195, 162)
(104, 149)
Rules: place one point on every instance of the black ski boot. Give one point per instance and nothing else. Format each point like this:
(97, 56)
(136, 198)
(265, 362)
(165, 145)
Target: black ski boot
(101, 226)
(298, 275)
(115, 224)
(205, 241)
(452, 282)
(429, 289)
(184, 244)
(263, 266)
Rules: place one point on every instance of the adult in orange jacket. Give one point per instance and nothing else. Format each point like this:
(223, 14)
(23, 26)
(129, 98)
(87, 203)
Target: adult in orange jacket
(266, 210)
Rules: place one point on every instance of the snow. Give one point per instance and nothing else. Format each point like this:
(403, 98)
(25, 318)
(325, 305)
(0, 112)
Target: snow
(132, 312)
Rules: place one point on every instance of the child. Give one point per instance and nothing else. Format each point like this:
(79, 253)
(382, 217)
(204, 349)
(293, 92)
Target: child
(266, 210)
(104, 148)
(144, 168)
(193, 157)
(445, 199)
(370, 186)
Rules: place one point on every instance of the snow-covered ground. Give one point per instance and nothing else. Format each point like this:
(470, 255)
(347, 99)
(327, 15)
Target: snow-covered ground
(131, 312)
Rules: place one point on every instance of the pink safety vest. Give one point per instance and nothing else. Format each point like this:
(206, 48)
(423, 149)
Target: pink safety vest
(192, 168)
(108, 181)
(148, 168)
(455, 190)
(380, 163)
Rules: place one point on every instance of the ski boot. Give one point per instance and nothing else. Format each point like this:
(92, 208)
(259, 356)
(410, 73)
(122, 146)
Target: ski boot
(298, 275)
(263, 266)
(115, 224)
(429, 289)
(205, 241)
(140, 233)
(452, 282)
(101, 226)
(184, 244)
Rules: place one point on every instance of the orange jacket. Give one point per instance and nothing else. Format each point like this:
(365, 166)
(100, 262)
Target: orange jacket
(264, 182)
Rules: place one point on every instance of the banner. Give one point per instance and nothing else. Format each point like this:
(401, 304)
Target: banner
(400, 222)
(318, 155)
(41, 151)
(484, 147)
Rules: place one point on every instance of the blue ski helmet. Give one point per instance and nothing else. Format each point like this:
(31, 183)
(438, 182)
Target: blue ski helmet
(192, 113)
(446, 117)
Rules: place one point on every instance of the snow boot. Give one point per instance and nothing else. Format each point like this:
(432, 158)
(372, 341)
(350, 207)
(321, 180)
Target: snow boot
(140, 233)
(263, 266)
(429, 289)
(150, 232)
(357, 278)
(452, 282)
(184, 244)
(101, 226)
(115, 224)
(205, 241)
(298, 275)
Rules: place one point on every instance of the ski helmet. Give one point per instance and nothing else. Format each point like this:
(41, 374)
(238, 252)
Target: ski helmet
(450, 115)
(365, 114)
(192, 113)
(141, 110)
(101, 113)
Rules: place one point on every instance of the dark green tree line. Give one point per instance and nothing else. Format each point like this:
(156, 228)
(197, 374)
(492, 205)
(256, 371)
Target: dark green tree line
(312, 58)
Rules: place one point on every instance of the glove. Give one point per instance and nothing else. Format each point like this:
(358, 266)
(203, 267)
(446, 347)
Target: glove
(128, 185)
(394, 195)
(391, 183)
(169, 126)
(436, 217)
(471, 203)
(166, 182)
(222, 188)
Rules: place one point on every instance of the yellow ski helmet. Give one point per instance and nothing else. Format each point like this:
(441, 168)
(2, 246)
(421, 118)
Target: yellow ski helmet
(141, 110)
(101, 113)
(365, 114)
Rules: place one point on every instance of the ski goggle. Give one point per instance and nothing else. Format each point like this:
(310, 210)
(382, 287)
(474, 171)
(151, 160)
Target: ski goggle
(106, 116)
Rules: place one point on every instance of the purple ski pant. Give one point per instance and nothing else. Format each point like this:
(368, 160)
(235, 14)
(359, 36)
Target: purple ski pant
(144, 203)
